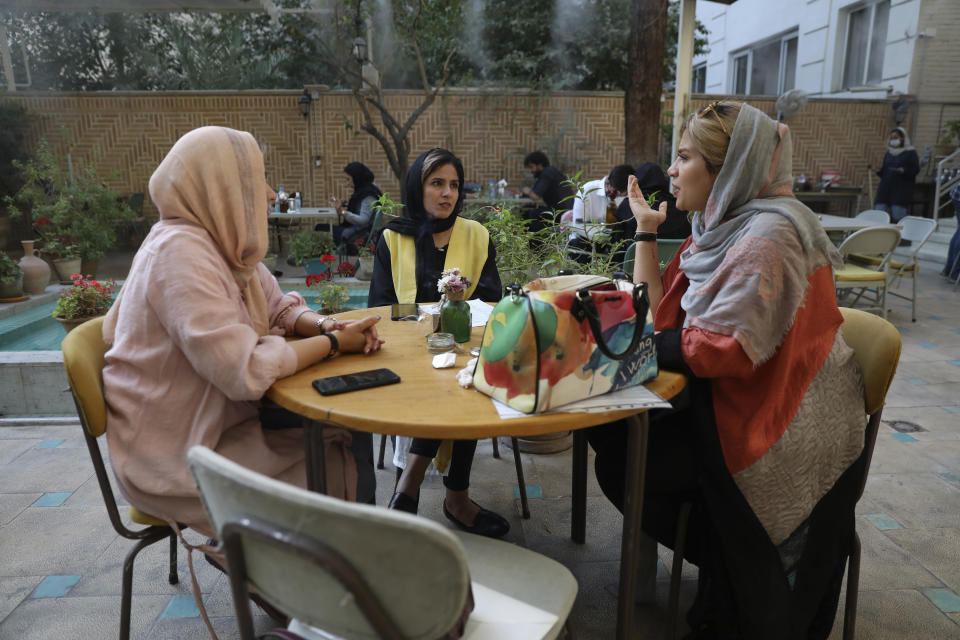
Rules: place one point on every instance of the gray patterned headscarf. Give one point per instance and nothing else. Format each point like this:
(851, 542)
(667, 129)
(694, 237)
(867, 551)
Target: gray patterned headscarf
(754, 244)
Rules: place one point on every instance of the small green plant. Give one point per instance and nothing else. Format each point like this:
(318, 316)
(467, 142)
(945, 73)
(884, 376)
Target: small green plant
(330, 296)
(9, 269)
(364, 250)
(84, 299)
(950, 133)
(388, 208)
(79, 207)
(309, 244)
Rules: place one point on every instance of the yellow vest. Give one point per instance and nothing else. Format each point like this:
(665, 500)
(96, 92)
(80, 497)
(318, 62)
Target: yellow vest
(467, 250)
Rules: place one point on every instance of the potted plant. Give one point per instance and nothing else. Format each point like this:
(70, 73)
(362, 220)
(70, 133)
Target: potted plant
(11, 278)
(83, 300)
(365, 253)
(313, 249)
(949, 137)
(331, 297)
(59, 248)
(79, 206)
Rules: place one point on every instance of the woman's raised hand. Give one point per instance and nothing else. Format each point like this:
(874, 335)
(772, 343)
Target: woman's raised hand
(648, 218)
(359, 335)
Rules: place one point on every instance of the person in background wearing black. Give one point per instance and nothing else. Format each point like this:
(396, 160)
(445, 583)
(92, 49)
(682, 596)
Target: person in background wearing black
(897, 175)
(356, 214)
(653, 181)
(550, 187)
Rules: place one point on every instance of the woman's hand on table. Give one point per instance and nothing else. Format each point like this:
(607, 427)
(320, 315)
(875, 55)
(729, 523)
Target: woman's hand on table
(357, 336)
(648, 218)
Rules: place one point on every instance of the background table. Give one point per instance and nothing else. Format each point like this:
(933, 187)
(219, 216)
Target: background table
(840, 223)
(817, 200)
(429, 403)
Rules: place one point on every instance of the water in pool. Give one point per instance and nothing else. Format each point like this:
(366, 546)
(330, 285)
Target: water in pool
(36, 330)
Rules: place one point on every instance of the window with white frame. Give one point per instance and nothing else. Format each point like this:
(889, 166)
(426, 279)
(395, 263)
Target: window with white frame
(698, 83)
(767, 68)
(866, 41)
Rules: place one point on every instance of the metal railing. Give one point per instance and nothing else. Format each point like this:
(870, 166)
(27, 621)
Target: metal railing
(948, 174)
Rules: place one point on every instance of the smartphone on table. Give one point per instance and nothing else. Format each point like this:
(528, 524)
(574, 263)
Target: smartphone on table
(355, 381)
(404, 312)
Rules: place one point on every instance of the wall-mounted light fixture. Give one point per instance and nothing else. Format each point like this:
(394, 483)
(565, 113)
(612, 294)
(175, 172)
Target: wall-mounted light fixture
(304, 103)
(360, 49)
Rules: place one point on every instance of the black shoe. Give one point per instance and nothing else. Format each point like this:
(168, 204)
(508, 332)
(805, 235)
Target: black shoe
(486, 523)
(402, 502)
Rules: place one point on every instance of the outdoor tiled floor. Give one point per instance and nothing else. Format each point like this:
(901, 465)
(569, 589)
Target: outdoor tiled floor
(60, 560)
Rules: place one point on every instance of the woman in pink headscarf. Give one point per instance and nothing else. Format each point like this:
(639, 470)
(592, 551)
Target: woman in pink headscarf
(197, 336)
(766, 443)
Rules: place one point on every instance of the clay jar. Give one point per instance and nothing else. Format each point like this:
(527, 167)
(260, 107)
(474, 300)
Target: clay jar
(36, 271)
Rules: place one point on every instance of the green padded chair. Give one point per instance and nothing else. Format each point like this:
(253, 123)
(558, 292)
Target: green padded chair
(666, 249)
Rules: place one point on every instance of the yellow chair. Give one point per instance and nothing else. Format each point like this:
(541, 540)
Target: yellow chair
(83, 358)
(917, 230)
(872, 241)
(876, 344)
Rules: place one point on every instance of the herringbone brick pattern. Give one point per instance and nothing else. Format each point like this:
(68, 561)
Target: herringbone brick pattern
(127, 134)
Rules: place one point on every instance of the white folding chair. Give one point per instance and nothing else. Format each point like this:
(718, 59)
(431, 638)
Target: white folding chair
(875, 215)
(357, 571)
(878, 242)
(917, 230)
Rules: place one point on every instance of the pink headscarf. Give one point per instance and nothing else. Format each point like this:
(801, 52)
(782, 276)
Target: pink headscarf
(213, 177)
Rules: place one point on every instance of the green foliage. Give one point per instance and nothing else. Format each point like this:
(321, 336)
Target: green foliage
(388, 208)
(82, 212)
(9, 269)
(331, 297)
(311, 244)
(84, 299)
(14, 123)
(950, 134)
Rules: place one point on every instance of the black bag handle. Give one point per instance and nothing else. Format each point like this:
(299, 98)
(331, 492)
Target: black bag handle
(584, 307)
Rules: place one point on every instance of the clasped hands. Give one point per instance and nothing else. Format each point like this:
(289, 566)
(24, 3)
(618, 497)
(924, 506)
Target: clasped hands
(357, 336)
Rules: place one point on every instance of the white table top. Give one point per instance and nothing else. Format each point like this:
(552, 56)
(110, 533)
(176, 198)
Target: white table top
(841, 223)
(305, 212)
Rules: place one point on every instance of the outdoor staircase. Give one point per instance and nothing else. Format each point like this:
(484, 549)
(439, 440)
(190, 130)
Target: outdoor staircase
(934, 250)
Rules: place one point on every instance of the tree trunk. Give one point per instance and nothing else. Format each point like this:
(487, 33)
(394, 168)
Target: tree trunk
(642, 98)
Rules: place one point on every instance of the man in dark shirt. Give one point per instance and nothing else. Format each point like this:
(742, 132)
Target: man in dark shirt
(551, 188)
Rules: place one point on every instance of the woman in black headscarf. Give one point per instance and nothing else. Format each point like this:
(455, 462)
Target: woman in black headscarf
(653, 181)
(356, 214)
(410, 257)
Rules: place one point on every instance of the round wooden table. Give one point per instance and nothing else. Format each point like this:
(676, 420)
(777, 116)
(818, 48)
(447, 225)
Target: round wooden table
(428, 403)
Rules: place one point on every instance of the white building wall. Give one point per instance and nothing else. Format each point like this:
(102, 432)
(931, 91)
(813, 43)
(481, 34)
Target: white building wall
(821, 30)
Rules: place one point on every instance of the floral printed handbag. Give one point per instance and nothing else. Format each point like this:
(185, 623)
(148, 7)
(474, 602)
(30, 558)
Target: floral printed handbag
(562, 339)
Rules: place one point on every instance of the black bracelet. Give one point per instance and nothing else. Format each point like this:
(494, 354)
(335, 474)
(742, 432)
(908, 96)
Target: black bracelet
(334, 346)
(645, 236)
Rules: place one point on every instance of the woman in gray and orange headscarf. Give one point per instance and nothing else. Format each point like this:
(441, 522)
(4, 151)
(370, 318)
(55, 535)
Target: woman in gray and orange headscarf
(767, 441)
(197, 337)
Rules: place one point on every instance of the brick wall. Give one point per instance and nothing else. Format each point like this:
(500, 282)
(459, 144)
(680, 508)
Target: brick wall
(127, 134)
(936, 68)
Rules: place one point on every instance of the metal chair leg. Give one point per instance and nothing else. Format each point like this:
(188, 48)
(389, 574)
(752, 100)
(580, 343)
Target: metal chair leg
(670, 631)
(126, 594)
(383, 450)
(496, 447)
(853, 586)
(173, 578)
(524, 507)
(578, 490)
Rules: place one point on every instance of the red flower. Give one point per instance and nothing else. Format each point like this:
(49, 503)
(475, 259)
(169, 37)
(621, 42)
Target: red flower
(346, 269)
(42, 221)
(327, 258)
(312, 279)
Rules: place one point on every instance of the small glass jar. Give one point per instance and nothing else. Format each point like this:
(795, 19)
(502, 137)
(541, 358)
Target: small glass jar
(440, 342)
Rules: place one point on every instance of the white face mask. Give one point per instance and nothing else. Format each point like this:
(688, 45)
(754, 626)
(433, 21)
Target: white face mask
(895, 142)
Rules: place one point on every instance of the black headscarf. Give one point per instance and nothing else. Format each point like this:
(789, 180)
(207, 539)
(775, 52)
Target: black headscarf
(363, 186)
(416, 221)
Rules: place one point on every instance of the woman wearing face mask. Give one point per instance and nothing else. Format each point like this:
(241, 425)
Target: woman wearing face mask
(410, 256)
(897, 175)
(766, 441)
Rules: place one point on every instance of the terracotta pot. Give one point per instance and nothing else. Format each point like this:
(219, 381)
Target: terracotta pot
(71, 324)
(36, 272)
(365, 270)
(66, 268)
(89, 267)
(12, 289)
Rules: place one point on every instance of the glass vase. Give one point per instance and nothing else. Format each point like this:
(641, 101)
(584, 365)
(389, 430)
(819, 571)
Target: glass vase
(455, 319)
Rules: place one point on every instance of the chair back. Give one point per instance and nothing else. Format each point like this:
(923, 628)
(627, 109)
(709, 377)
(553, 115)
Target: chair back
(414, 568)
(874, 241)
(83, 358)
(875, 215)
(876, 344)
(916, 230)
